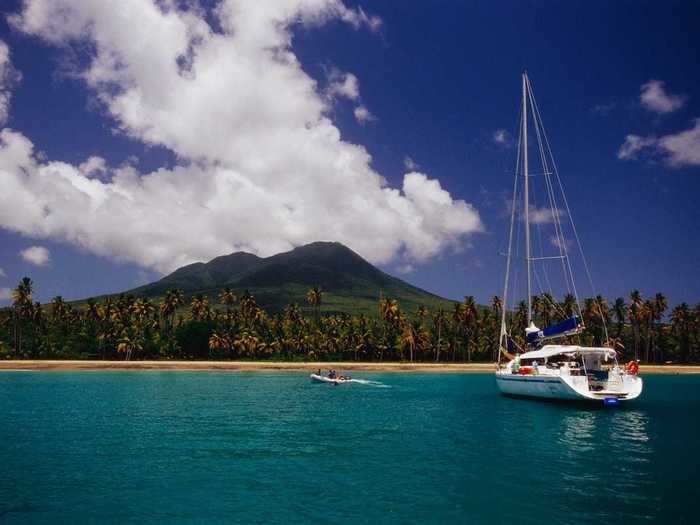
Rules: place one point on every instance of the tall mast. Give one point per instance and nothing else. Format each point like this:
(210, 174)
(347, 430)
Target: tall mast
(527, 203)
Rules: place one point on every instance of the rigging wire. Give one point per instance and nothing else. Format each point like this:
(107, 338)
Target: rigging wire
(556, 219)
(536, 111)
(504, 307)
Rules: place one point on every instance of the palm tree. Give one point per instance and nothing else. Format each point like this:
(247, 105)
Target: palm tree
(21, 304)
(249, 308)
(409, 337)
(520, 321)
(218, 341)
(547, 306)
(660, 304)
(173, 300)
(58, 309)
(635, 315)
(422, 313)
(439, 320)
(569, 305)
(390, 313)
(620, 312)
(227, 297)
(496, 305)
(129, 342)
(199, 308)
(536, 307)
(314, 298)
(681, 320)
(470, 314)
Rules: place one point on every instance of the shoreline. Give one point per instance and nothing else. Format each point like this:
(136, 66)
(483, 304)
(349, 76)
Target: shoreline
(282, 366)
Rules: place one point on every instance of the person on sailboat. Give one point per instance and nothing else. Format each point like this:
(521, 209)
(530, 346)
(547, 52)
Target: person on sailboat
(516, 364)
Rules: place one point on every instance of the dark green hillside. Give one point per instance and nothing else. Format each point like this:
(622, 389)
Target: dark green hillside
(349, 283)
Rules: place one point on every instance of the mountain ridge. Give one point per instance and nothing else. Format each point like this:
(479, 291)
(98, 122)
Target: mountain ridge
(350, 283)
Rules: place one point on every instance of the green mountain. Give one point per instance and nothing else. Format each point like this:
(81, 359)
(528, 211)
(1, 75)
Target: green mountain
(349, 283)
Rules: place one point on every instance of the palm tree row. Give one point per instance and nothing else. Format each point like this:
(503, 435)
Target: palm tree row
(234, 326)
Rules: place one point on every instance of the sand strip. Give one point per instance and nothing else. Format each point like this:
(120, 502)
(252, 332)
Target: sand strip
(30, 365)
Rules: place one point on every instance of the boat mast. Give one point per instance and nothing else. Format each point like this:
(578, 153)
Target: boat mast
(526, 197)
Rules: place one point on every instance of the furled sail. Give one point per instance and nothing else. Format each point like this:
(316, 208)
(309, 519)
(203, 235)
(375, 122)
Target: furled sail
(570, 326)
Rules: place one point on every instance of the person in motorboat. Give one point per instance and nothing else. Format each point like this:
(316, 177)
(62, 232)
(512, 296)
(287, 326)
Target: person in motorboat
(535, 367)
(319, 372)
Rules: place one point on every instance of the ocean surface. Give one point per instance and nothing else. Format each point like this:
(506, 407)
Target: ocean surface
(200, 447)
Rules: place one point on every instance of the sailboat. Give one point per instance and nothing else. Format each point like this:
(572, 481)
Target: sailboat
(532, 364)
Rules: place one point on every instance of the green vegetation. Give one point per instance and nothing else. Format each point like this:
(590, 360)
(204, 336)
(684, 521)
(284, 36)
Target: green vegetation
(350, 284)
(236, 327)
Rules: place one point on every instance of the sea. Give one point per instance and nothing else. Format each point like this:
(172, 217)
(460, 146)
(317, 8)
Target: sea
(260, 447)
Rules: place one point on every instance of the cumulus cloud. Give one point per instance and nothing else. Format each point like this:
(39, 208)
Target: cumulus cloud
(5, 294)
(362, 115)
(655, 98)
(262, 167)
(93, 165)
(343, 85)
(675, 149)
(9, 76)
(2, 273)
(36, 255)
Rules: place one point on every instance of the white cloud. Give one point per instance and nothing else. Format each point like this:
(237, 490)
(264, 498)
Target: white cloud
(93, 165)
(358, 18)
(654, 97)
(543, 215)
(36, 255)
(676, 149)
(682, 148)
(363, 115)
(406, 269)
(562, 243)
(343, 85)
(410, 164)
(633, 145)
(9, 77)
(5, 294)
(502, 137)
(2, 273)
(262, 167)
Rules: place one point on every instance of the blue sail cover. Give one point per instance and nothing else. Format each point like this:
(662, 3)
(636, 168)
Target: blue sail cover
(512, 346)
(567, 327)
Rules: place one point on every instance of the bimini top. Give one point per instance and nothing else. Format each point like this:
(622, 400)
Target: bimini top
(552, 350)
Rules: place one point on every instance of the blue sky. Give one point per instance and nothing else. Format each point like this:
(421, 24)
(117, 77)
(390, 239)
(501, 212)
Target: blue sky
(439, 79)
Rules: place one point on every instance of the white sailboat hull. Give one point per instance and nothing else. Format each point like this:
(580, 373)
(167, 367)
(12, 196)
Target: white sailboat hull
(571, 388)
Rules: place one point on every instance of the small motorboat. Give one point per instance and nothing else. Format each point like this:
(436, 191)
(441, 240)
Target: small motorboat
(325, 379)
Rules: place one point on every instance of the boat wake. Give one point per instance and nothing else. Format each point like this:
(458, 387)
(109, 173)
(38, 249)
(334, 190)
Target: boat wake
(343, 381)
(368, 382)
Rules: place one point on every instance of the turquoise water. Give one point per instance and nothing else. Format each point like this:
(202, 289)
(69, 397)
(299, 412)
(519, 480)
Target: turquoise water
(93, 447)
